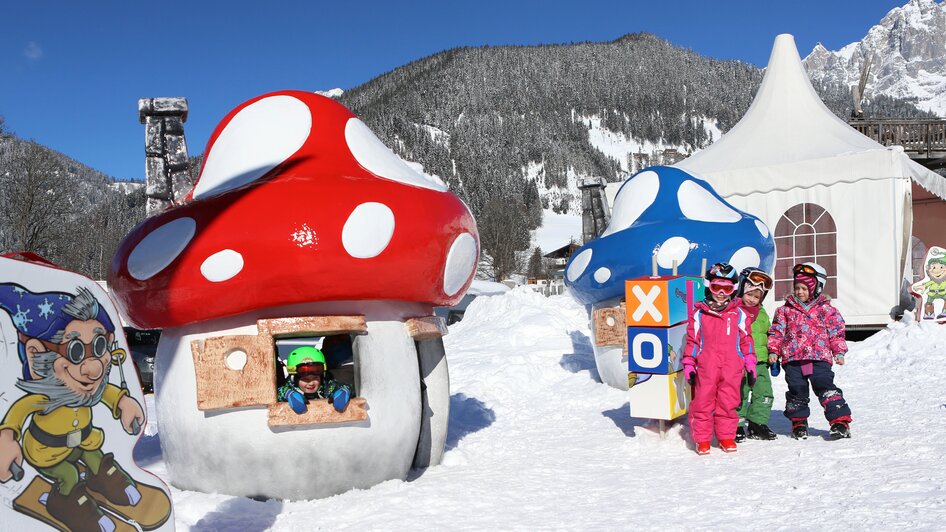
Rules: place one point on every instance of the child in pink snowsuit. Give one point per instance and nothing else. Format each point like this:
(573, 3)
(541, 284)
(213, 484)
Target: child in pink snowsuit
(719, 350)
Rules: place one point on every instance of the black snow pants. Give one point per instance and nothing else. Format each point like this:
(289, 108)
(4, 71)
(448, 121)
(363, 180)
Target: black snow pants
(798, 375)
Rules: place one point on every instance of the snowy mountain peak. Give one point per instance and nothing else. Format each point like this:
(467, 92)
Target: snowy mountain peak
(908, 47)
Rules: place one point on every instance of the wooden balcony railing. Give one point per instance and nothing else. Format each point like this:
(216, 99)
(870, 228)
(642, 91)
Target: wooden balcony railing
(921, 139)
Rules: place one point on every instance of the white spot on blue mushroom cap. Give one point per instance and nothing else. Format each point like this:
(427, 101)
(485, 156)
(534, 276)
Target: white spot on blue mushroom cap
(698, 203)
(602, 275)
(634, 197)
(763, 229)
(745, 257)
(675, 248)
(578, 265)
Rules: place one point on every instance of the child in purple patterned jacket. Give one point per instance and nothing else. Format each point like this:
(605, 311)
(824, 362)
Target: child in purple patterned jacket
(807, 335)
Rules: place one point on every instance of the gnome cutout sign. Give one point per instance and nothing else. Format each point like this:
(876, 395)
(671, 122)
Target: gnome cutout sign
(295, 285)
(71, 406)
(931, 290)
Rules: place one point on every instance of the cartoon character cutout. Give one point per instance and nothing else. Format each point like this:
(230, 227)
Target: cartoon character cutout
(67, 346)
(932, 289)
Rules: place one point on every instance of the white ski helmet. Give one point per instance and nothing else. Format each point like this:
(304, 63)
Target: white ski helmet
(815, 270)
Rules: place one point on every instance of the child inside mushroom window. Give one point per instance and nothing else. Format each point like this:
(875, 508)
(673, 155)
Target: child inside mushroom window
(310, 380)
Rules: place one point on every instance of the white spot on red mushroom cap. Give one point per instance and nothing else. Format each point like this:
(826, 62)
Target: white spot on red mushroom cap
(378, 159)
(257, 139)
(368, 230)
(160, 247)
(461, 261)
(578, 265)
(222, 266)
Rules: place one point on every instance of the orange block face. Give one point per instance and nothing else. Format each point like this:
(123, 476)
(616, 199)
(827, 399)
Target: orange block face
(647, 302)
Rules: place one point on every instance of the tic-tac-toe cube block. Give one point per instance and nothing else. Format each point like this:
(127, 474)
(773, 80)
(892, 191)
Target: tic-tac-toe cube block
(661, 301)
(656, 350)
(658, 396)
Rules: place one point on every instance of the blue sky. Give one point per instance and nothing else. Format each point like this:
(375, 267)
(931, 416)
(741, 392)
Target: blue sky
(71, 72)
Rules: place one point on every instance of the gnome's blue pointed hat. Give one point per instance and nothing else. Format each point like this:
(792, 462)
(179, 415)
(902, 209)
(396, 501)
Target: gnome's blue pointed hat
(41, 315)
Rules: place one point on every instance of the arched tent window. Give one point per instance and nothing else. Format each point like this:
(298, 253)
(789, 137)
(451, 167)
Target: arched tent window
(805, 233)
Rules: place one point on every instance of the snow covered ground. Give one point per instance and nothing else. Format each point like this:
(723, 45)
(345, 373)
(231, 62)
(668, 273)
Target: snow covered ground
(536, 442)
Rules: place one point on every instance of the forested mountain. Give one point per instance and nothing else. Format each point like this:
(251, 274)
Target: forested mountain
(511, 128)
(65, 211)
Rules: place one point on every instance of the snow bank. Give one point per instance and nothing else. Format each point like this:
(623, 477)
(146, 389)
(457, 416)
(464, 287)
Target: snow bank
(536, 442)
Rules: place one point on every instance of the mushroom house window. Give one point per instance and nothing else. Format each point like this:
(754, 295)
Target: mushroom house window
(303, 370)
(805, 233)
(336, 348)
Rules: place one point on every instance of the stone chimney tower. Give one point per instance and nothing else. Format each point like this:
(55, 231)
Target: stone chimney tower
(595, 213)
(166, 165)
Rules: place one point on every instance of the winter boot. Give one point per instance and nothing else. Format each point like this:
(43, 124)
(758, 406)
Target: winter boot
(800, 429)
(113, 483)
(759, 432)
(78, 510)
(727, 445)
(703, 448)
(740, 434)
(839, 430)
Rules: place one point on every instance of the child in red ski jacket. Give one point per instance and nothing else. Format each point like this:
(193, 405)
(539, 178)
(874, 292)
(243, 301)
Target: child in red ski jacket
(807, 335)
(718, 351)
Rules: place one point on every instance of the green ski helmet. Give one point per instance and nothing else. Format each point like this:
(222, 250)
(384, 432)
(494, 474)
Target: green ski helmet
(301, 357)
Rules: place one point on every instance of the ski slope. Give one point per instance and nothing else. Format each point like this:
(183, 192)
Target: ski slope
(536, 442)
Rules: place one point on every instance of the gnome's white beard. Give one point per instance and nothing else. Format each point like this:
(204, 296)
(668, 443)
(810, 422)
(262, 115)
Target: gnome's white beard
(55, 389)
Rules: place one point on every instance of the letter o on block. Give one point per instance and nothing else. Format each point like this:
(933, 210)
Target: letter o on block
(642, 360)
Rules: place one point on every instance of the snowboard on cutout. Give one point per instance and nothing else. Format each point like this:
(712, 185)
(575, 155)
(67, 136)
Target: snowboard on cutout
(151, 512)
(32, 502)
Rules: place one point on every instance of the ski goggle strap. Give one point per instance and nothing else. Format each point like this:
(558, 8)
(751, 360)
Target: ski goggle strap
(718, 286)
(721, 270)
(758, 278)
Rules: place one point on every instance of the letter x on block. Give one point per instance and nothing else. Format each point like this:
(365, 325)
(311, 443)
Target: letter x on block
(647, 305)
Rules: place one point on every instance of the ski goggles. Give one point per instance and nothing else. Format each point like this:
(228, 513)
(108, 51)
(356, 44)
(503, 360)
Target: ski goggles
(310, 368)
(722, 287)
(76, 350)
(806, 269)
(760, 279)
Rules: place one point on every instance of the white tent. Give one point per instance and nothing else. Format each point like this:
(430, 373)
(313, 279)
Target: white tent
(829, 193)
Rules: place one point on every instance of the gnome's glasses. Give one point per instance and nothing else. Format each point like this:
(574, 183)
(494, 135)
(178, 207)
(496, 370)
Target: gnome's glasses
(76, 350)
(722, 287)
(757, 278)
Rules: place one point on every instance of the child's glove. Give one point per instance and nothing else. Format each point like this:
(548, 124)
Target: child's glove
(775, 369)
(839, 359)
(297, 402)
(751, 374)
(689, 373)
(339, 399)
